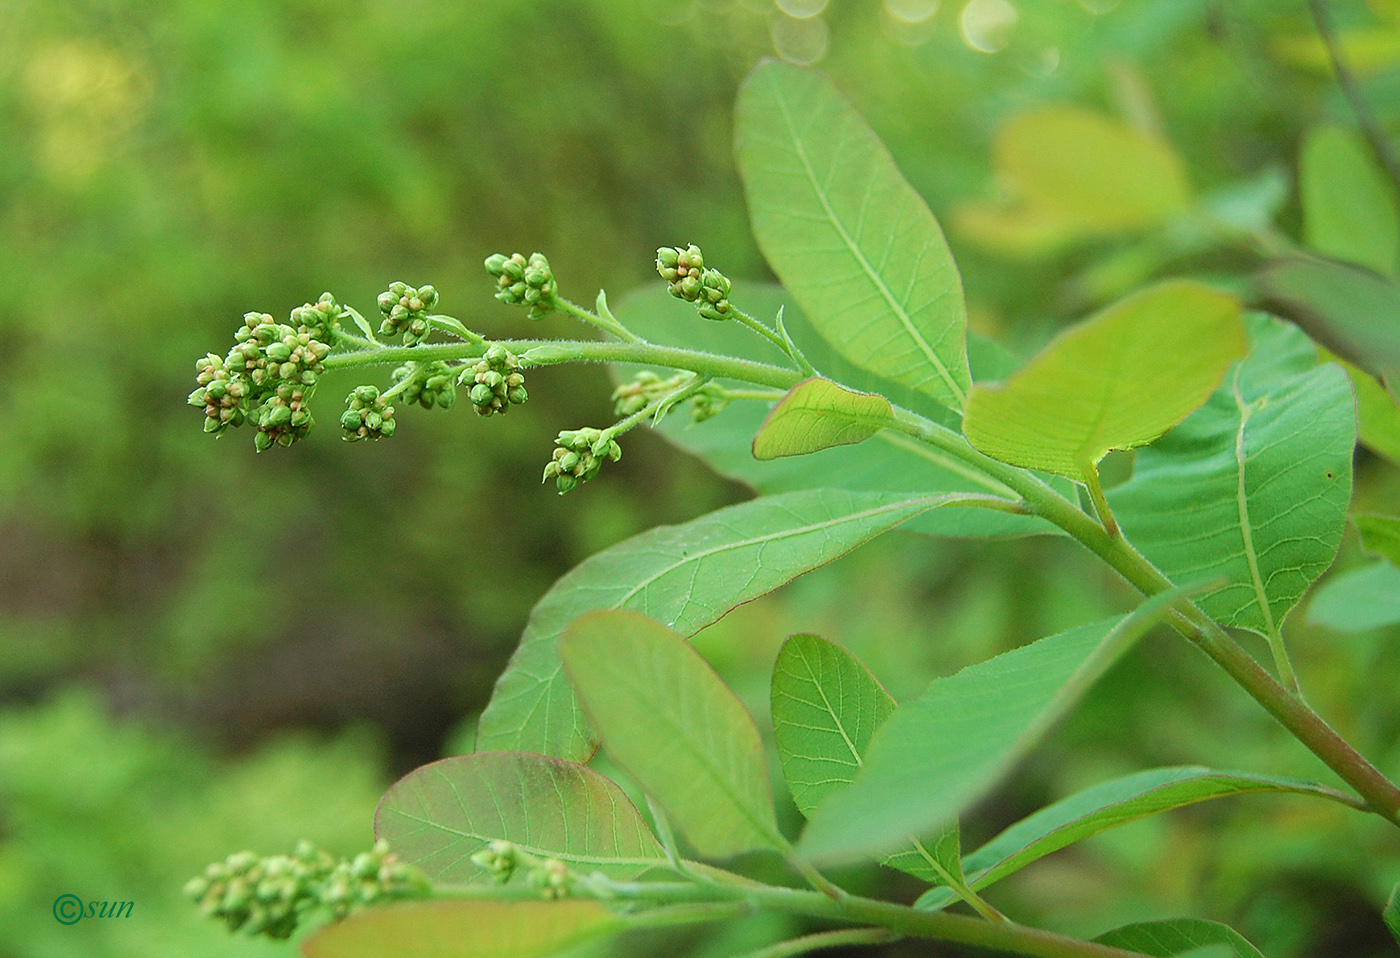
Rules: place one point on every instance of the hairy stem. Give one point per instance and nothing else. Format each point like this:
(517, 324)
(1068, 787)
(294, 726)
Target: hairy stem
(604, 321)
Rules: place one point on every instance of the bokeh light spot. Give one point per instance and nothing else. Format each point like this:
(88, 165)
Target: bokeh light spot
(987, 24)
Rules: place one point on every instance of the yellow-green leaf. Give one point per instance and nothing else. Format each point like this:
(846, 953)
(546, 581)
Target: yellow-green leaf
(1377, 415)
(464, 929)
(817, 414)
(667, 719)
(1074, 173)
(1117, 380)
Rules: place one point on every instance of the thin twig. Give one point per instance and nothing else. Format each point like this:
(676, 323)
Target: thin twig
(1370, 126)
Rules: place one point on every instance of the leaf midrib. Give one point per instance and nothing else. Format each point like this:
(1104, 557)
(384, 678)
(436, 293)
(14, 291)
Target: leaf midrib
(874, 277)
(1261, 596)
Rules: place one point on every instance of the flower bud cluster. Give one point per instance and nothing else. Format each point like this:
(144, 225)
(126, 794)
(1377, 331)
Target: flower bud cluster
(269, 374)
(644, 389)
(367, 416)
(524, 282)
(688, 279)
(283, 417)
(269, 896)
(406, 311)
(503, 859)
(428, 384)
(707, 403)
(579, 457)
(495, 382)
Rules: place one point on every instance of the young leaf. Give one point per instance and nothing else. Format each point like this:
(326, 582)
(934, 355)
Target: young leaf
(1253, 487)
(1380, 535)
(1359, 599)
(1075, 173)
(1351, 311)
(847, 234)
(940, 753)
(672, 724)
(686, 576)
(1118, 380)
(1392, 914)
(1106, 806)
(438, 815)
(464, 929)
(817, 414)
(890, 462)
(1180, 936)
(1349, 210)
(826, 705)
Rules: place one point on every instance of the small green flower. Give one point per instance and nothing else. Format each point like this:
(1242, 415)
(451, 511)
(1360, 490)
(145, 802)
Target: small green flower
(499, 858)
(495, 382)
(367, 415)
(524, 282)
(644, 389)
(578, 457)
(406, 311)
(321, 319)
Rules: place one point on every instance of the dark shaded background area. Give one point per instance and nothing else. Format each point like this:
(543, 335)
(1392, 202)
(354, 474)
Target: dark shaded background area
(203, 649)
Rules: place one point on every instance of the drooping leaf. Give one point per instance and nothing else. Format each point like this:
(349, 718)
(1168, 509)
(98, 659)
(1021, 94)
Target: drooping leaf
(1358, 599)
(817, 414)
(1118, 380)
(1351, 311)
(672, 724)
(940, 753)
(1377, 414)
(1253, 487)
(1180, 936)
(1349, 210)
(687, 577)
(1392, 914)
(890, 462)
(847, 234)
(437, 816)
(1380, 535)
(464, 929)
(1106, 806)
(1073, 173)
(826, 705)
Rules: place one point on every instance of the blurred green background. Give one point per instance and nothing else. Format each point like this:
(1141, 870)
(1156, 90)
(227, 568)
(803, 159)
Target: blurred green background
(203, 650)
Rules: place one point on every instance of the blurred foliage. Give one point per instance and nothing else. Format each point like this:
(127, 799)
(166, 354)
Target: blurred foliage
(169, 166)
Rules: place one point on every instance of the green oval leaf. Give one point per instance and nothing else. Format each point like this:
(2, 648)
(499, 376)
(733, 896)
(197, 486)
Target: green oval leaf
(1106, 806)
(464, 929)
(1180, 936)
(943, 751)
(817, 414)
(673, 725)
(1115, 381)
(1253, 487)
(890, 462)
(687, 577)
(1359, 599)
(1380, 535)
(438, 815)
(845, 232)
(826, 705)
(1351, 311)
(1349, 210)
